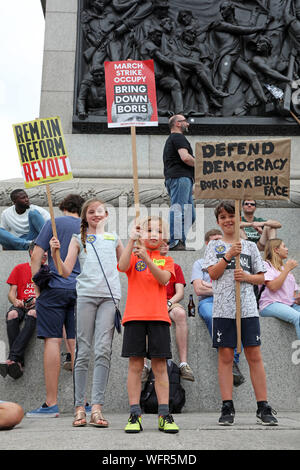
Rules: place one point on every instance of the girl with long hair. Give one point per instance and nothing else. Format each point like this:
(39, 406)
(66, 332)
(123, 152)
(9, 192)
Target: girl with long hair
(95, 306)
(279, 298)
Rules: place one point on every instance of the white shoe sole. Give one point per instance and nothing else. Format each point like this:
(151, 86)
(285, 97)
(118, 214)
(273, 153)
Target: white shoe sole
(259, 421)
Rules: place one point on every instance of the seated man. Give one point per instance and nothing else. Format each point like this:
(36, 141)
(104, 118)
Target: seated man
(175, 293)
(21, 223)
(22, 297)
(11, 414)
(256, 229)
(203, 288)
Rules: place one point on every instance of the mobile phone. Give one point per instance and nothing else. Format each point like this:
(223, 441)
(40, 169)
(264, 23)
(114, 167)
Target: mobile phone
(28, 301)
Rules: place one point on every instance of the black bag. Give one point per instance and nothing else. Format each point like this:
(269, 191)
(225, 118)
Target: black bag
(149, 402)
(258, 290)
(42, 277)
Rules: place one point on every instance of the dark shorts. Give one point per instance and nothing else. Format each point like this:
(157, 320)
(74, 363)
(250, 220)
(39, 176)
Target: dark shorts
(147, 339)
(55, 308)
(225, 335)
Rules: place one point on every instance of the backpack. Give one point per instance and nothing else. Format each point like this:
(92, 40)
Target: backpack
(148, 400)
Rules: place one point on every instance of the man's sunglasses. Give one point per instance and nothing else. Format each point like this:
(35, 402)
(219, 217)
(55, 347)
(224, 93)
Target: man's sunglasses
(249, 204)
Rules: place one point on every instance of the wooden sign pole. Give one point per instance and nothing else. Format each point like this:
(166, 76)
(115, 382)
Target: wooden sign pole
(57, 252)
(237, 283)
(135, 173)
(295, 117)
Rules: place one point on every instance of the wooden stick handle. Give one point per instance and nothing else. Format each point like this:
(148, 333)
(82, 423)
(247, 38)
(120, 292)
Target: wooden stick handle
(57, 252)
(135, 173)
(237, 283)
(295, 117)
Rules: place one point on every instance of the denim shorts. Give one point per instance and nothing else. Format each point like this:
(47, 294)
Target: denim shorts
(55, 308)
(147, 339)
(225, 335)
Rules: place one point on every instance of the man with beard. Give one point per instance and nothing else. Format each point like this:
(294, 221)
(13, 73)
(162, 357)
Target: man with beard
(21, 223)
(179, 178)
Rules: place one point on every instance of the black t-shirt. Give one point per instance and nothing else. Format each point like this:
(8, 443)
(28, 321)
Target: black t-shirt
(174, 167)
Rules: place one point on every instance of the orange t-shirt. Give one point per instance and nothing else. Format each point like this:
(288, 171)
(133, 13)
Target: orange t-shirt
(146, 298)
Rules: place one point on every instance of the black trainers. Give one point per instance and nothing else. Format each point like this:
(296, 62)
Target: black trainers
(238, 378)
(265, 415)
(227, 414)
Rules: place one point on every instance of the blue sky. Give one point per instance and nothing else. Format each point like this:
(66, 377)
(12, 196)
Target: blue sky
(22, 29)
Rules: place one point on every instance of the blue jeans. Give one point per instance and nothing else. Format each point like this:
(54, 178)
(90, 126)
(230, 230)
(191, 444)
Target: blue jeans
(205, 310)
(290, 314)
(182, 210)
(12, 242)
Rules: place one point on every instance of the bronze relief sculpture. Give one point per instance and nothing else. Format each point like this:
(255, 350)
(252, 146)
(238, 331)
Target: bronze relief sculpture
(216, 61)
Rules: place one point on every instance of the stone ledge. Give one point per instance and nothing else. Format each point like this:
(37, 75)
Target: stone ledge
(111, 190)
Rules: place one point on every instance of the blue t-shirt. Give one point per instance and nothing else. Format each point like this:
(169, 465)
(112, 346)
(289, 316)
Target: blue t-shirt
(66, 226)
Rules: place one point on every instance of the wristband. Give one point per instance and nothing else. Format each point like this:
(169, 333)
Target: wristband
(226, 260)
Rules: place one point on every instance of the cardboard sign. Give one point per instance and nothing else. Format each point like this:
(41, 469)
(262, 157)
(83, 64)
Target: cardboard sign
(256, 169)
(42, 152)
(130, 93)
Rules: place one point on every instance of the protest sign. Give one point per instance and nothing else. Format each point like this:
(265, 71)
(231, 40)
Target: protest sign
(43, 158)
(130, 93)
(42, 152)
(131, 102)
(257, 169)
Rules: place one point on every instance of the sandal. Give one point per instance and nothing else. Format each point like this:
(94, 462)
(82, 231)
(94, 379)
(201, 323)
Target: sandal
(79, 416)
(98, 416)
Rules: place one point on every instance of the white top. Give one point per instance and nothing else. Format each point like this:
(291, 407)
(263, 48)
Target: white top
(224, 288)
(91, 281)
(18, 224)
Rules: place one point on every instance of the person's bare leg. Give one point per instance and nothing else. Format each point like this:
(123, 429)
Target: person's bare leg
(268, 233)
(159, 367)
(225, 359)
(52, 368)
(257, 372)
(178, 316)
(134, 386)
(11, 414)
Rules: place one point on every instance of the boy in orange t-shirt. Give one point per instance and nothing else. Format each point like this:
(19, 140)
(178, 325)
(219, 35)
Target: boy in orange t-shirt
(146, 320)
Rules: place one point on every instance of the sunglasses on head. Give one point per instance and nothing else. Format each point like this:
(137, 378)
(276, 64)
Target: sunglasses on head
(249, 204)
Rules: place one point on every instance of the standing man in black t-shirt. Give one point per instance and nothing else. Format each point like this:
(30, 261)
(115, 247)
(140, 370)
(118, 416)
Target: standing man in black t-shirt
(179, 178)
